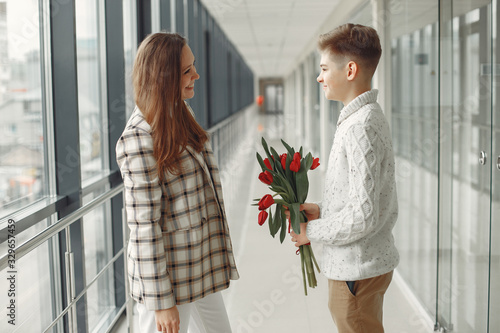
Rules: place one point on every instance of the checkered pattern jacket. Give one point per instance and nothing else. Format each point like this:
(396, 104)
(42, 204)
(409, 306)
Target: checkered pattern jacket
(179, 248)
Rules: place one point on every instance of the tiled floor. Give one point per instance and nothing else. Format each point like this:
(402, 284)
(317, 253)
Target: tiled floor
(269, 297)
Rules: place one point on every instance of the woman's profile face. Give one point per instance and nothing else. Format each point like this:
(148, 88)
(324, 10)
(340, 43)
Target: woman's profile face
(188, 73)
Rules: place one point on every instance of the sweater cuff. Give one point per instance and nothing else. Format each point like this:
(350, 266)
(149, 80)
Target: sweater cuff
(312, 231)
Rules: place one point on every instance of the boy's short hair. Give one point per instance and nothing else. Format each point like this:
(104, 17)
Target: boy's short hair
(359, 42)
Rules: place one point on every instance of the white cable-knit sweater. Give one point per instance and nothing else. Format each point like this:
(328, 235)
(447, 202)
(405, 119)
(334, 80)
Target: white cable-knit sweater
(359, 207)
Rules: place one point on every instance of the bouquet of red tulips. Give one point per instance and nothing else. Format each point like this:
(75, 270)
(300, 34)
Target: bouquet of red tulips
(286, 175)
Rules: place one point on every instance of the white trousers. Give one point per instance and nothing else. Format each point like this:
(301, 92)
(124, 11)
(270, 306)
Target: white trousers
(207, 315)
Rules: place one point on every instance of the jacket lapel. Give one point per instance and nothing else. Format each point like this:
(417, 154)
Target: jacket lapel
(207, 165)
(198, 157)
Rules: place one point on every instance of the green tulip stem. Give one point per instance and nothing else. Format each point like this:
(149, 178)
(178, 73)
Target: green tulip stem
(302, 264)
(309, 266)
(314, 260)
(304, 217)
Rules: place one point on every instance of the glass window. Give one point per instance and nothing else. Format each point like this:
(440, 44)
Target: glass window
(130, 46)
(465, 271)
(314, 100)
(273, 97)
(494, 302)
(35, 297)
(22, 166)
(98, 242)
(100, 302)
(89, 89)
(415, 108)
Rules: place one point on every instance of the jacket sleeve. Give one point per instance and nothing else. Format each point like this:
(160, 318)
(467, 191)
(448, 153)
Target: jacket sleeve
(360, 215)
(143, 195)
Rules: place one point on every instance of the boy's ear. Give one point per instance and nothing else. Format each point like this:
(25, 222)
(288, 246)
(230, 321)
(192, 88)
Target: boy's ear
(352, 70)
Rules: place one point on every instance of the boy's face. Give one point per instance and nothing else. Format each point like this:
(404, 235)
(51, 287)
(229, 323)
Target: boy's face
(333, 77)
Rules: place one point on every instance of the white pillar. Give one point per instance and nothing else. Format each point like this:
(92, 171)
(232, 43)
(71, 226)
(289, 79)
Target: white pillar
(307, 135)
(382, 79)
(298, 107)
(155, 16)
(323, 116)
(173, 22)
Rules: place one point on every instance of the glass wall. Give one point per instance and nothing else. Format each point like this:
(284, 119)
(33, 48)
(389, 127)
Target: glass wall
(273, 98)
(90, 89)
(129, 44)
(466, 124)
(23, 168)
(415, 127)
(215, 74)
(98, 247)
(24, 181)
(314, 102)
(494, 301)
(36, 288)
(441, 116)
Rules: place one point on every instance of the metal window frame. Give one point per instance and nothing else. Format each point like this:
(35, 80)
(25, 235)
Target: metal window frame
(143, 19)
(49, 158)
(104, 41)
(116, 116)
(66, 142)
(64, 225)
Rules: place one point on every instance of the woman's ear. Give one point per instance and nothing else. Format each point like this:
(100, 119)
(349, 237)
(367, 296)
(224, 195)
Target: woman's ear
(352, 70)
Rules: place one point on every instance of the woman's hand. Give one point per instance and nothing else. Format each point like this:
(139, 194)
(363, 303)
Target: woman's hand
(302, 238)
(167, 320)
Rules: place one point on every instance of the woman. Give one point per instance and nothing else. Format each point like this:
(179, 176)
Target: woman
(180, 254)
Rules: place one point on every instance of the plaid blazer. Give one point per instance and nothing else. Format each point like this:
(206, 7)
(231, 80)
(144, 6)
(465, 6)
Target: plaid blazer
(179, 248)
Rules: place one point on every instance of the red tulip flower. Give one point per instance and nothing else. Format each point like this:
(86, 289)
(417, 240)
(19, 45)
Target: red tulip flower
(262, 217)
(295, 164)
(315, 163)
(283, 160)
(266, 177)
(266, 202)
(268, 164)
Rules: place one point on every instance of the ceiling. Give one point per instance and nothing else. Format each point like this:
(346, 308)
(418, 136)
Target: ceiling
(270, 34)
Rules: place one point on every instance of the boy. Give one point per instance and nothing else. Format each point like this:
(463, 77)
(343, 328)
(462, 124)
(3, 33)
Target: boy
(359, 209)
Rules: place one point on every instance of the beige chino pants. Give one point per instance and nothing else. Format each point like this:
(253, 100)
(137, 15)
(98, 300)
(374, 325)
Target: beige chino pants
(361, 312)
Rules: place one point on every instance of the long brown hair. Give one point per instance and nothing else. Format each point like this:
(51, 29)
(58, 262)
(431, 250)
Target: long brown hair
(157, 91)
